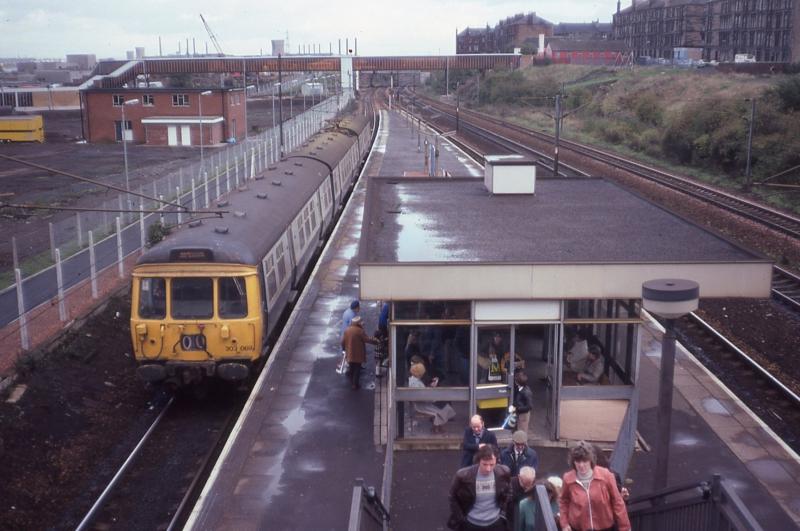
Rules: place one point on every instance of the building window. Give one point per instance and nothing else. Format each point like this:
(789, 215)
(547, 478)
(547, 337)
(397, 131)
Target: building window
(147, 100)
(180, 100)
(118, 100)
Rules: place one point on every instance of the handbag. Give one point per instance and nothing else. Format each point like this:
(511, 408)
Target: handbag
(511, 422)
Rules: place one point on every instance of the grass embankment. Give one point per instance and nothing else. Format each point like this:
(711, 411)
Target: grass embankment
(694, 122)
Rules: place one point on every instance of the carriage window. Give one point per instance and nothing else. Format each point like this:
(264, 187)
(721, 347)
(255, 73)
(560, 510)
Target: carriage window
(232, 297)
(152, 298)
(192, 298)
(272, 285)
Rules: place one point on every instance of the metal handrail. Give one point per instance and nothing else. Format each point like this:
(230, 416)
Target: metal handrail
(365, 502)
(713, 506)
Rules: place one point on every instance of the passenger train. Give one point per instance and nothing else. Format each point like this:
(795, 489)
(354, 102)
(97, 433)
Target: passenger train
(206, 300)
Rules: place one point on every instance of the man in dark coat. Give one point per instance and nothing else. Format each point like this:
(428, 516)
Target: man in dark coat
(480, 495)
(519, 454)
(475, 436)
(354, 343)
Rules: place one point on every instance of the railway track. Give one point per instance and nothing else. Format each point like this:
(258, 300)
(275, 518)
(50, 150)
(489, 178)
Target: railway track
(785, 285)
(779, 221)
(764, 393)
(158, 479)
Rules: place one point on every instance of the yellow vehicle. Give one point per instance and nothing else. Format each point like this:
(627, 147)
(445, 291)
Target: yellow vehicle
(207, 300)
(21, 128)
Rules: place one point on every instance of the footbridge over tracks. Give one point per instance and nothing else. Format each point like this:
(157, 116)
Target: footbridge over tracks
(110, 74)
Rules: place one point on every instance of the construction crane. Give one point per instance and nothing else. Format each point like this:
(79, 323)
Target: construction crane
(213, 37)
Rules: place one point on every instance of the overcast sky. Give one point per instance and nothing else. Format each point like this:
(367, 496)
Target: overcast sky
(54, 28)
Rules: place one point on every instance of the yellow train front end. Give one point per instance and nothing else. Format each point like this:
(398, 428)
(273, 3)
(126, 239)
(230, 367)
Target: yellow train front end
(191, 321)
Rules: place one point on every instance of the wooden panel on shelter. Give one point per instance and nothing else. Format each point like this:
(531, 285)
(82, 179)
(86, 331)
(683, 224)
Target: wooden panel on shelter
(591, 420)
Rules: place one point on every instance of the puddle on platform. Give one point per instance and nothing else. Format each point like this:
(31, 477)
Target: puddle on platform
(295, 421)
(685, 439)
(712, 405)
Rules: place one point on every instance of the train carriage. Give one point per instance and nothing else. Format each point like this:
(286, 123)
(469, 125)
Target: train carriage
(206, 300)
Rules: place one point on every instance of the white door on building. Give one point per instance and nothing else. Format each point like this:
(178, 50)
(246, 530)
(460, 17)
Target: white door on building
(172, 135)
(186, 135)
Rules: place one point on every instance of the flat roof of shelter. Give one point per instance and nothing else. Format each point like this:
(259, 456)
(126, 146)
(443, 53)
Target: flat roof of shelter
(567, 226)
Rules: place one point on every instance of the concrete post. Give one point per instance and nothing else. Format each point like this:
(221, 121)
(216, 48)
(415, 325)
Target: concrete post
(62, 309)
(194, 195)
(79, 229)
(120, 263)
(205, 190)
(216, 182)
(23, 318)
(93, 265)
(178, 194)
(52, 241)
(142, 234)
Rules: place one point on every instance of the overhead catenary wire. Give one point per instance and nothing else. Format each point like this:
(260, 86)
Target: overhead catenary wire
(91, 181)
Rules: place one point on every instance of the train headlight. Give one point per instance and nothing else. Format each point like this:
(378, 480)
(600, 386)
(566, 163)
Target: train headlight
(141, 330)
(225, 332)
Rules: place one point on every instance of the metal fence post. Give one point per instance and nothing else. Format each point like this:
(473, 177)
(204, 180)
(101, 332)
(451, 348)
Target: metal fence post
(79, 228)
(244, 161)
(236, 172)
(62, 310)
(52, 241)
(120, 264)
(227, 180)
(161, 210)
(141, 227)
(23, 318)
(194, 196)
(252, 163)
(180, 177)
(216, 182)
(92, 266)
(178, 196)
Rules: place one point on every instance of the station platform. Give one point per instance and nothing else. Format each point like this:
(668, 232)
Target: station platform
(305, 436)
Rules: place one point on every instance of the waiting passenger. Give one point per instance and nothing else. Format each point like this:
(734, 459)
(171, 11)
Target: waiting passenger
(578, 351)
(439, 415)
(480, 495)
(519, 454)
(595, 367)
(354, 343)
(523, 401)
(590, 498)
(475, 436)
(489, 370)
(348, 314)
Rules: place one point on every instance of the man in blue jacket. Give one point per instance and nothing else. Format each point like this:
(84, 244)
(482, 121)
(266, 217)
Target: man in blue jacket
(519, 454)
(474, 437)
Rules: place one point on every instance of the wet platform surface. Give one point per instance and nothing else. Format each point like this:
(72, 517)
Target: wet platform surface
(306, 436)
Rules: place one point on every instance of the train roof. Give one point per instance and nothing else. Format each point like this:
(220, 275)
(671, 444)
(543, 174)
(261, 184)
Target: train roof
(331, 144)
(259, 212)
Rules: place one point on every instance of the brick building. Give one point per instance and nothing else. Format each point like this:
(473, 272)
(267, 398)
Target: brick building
(518, 31)
(162, 116)
(583, 31)
(589, 52)
(719, 28)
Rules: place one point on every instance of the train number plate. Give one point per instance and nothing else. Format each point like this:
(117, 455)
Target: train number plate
(193, 342)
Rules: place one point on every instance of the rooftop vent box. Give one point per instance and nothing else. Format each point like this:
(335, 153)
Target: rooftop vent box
(509, 174)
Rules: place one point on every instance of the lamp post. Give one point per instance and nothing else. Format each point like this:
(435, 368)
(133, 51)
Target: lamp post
(670, 299)
(245, 111)
(200, 116)
(273, 103)
(748, 169)
(125, 147)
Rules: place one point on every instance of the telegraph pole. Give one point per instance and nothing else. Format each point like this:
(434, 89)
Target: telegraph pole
(280, 101)
(748, 171)
(558, 134)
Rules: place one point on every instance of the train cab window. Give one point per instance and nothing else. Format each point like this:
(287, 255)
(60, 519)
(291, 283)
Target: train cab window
(192, 298)
(232, 297)
(152, 298)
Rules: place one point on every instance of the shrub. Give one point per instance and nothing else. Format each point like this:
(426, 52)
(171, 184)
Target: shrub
(156, 232)
(788, 92)
(647, 108)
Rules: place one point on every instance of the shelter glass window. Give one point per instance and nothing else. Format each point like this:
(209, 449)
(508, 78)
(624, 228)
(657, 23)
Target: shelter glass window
(432, 310)
(192, 298)
(232, 297)
(443, 350)
(152, 298)
(602, 309)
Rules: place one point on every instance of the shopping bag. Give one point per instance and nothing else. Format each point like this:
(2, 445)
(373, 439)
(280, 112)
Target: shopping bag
(511, 422)
(342, 367)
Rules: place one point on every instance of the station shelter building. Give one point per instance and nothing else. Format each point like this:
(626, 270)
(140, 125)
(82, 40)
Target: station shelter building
(164, 116)
(474, 275)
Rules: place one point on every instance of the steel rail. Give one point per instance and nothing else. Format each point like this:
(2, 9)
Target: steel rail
(770, 217)
(786, 287)
(87, 520)
(753, 364)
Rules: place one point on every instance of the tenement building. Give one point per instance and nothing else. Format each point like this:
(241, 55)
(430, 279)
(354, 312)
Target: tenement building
(518, 31)
(720, 28)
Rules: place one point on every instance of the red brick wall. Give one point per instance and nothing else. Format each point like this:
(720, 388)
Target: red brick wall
(100, 113)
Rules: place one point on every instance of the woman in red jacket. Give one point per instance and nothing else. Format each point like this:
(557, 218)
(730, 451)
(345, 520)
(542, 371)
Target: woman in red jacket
(589, 497)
